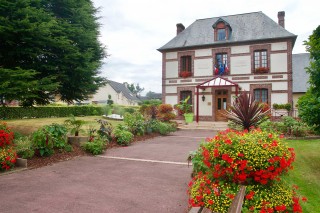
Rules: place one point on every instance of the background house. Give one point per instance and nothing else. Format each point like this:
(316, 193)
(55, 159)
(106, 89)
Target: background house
(299, 75)
(119, 93)
(250, 51)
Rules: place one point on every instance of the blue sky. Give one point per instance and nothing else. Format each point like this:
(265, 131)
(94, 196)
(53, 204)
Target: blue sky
(133, 30)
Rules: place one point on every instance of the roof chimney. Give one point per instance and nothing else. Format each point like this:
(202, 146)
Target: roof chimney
(281, 15)
(180, 28)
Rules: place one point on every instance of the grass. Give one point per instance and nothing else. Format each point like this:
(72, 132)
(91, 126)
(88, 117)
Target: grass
(306, 172)
(27, 126)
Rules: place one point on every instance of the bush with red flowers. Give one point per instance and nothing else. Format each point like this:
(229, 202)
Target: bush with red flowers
(256, 159)
(8, 155)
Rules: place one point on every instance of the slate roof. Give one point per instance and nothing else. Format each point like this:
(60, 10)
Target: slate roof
(245, 27)
(299, 75)
(118, 87)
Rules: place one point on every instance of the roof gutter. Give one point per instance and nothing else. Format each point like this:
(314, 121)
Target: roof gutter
(294, 38)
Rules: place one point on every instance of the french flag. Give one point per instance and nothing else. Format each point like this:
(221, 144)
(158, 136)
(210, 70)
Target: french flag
(216, 71)
(226, 69)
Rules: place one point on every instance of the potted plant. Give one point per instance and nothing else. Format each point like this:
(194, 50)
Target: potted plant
(74, 126)
(186, 109)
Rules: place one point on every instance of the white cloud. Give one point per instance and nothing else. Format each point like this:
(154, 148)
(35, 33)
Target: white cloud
(133, 30)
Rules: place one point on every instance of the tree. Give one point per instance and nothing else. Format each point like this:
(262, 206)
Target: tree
(18, 84)
(81, 55)
(58, 40)
(309, 104)
(135, 89)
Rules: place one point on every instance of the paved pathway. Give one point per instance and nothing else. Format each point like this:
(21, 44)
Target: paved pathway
(149, 176)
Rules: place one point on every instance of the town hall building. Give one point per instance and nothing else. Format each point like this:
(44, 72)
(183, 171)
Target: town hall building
(215, 58)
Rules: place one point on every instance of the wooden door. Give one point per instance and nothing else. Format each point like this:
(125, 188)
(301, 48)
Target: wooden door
(221, 104)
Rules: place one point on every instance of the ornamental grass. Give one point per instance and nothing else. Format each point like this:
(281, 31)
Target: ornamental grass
(256, 159)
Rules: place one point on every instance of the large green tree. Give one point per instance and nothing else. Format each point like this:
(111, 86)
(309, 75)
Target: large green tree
(309, 104)
(55, 39)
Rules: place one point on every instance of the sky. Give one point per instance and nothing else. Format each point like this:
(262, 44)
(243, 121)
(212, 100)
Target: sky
(133, 30)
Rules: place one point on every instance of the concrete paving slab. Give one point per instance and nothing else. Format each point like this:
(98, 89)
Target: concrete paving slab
(98, 184)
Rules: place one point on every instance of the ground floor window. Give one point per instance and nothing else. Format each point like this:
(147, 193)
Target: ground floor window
(184, 95)
(261, 95)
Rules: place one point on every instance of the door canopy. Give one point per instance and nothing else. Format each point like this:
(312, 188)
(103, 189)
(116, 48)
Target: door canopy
(215, 82)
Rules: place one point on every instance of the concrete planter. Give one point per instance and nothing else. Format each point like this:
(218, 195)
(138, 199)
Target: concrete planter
(77, 140)
(23, 163)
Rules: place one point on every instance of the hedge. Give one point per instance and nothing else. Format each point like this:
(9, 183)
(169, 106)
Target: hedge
(47, 112)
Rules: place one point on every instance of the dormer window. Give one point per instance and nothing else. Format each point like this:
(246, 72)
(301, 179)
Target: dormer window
(222, 30)
(221, 34)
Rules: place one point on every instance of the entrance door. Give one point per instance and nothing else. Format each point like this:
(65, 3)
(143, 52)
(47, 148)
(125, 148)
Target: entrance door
(221, 104)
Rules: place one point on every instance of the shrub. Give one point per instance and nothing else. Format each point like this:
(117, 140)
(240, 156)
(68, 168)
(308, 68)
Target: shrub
(149, 111)
(155, 102)
(270, 126)
(105, 129)
(8, 158)
(135, 122)
(42, 142)
(243, 157)
(288, 126)
(95, 147)
(23, 146)
(123, 136)
(164, 128)
(165, 112)
(6, 135)
(58, 133)
(47, 111)
(309, 109)
(6, 138)
(8, 155)
(117, 109)
(218, 196)
(282, 106)
(107, 109)
(234, 126)
(256, 159)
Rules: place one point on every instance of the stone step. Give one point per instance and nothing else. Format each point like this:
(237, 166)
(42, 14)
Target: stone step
(217, 126)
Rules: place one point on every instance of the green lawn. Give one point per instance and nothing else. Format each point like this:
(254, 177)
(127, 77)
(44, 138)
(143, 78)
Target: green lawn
(306, 172)
(27, 126)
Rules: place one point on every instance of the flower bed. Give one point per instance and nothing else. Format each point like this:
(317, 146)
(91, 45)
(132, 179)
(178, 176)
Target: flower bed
(8, 155)
(256, 159)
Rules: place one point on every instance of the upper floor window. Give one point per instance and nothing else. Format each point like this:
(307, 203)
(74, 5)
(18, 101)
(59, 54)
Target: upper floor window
(185, 66)
(221, 64)
(261, 61)
(221, 34)
(261, 95)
